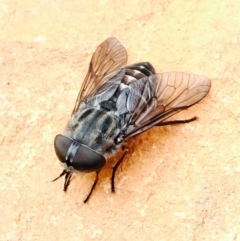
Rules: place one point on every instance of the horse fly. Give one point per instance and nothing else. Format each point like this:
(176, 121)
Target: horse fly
(117, 102)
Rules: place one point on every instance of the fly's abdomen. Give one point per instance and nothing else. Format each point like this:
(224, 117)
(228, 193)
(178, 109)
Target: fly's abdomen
(95, 128)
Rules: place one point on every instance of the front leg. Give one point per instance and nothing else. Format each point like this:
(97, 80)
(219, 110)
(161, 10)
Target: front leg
(93, 186)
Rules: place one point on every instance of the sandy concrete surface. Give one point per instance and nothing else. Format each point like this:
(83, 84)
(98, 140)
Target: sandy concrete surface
(180, 183)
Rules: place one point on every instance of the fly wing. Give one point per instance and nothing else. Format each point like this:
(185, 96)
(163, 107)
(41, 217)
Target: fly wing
(162, 96)
(107, 61)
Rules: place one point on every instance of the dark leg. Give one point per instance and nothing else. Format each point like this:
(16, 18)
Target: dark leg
(115, 169)
(93, 186)
(177, 122)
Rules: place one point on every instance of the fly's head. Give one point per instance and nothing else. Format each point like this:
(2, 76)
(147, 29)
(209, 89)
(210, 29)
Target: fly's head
(76, 157)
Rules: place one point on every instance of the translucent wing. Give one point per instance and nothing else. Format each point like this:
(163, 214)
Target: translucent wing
(154, 99)
(108, 59)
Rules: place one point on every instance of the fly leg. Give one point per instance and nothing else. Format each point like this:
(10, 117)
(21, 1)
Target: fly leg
(177, 121)
(115, 169)
(93, 186)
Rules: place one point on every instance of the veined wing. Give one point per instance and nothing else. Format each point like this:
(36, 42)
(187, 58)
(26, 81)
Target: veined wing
(154, 99)
(108, 60)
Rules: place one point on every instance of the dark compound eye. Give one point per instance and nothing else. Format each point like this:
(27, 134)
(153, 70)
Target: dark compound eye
(77, 155)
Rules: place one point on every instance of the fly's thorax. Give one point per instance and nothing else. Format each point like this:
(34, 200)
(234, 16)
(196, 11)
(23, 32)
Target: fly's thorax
(94, 128)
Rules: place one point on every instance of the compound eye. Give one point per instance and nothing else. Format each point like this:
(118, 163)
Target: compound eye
(61, 145)
(77, 156)
(87, 160)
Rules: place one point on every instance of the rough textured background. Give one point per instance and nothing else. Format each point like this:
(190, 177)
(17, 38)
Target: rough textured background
(181, 183)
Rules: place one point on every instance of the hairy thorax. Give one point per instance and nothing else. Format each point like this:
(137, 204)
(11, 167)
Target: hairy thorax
(95, 128)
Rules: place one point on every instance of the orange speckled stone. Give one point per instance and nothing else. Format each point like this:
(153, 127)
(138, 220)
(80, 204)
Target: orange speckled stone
(180, 182)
